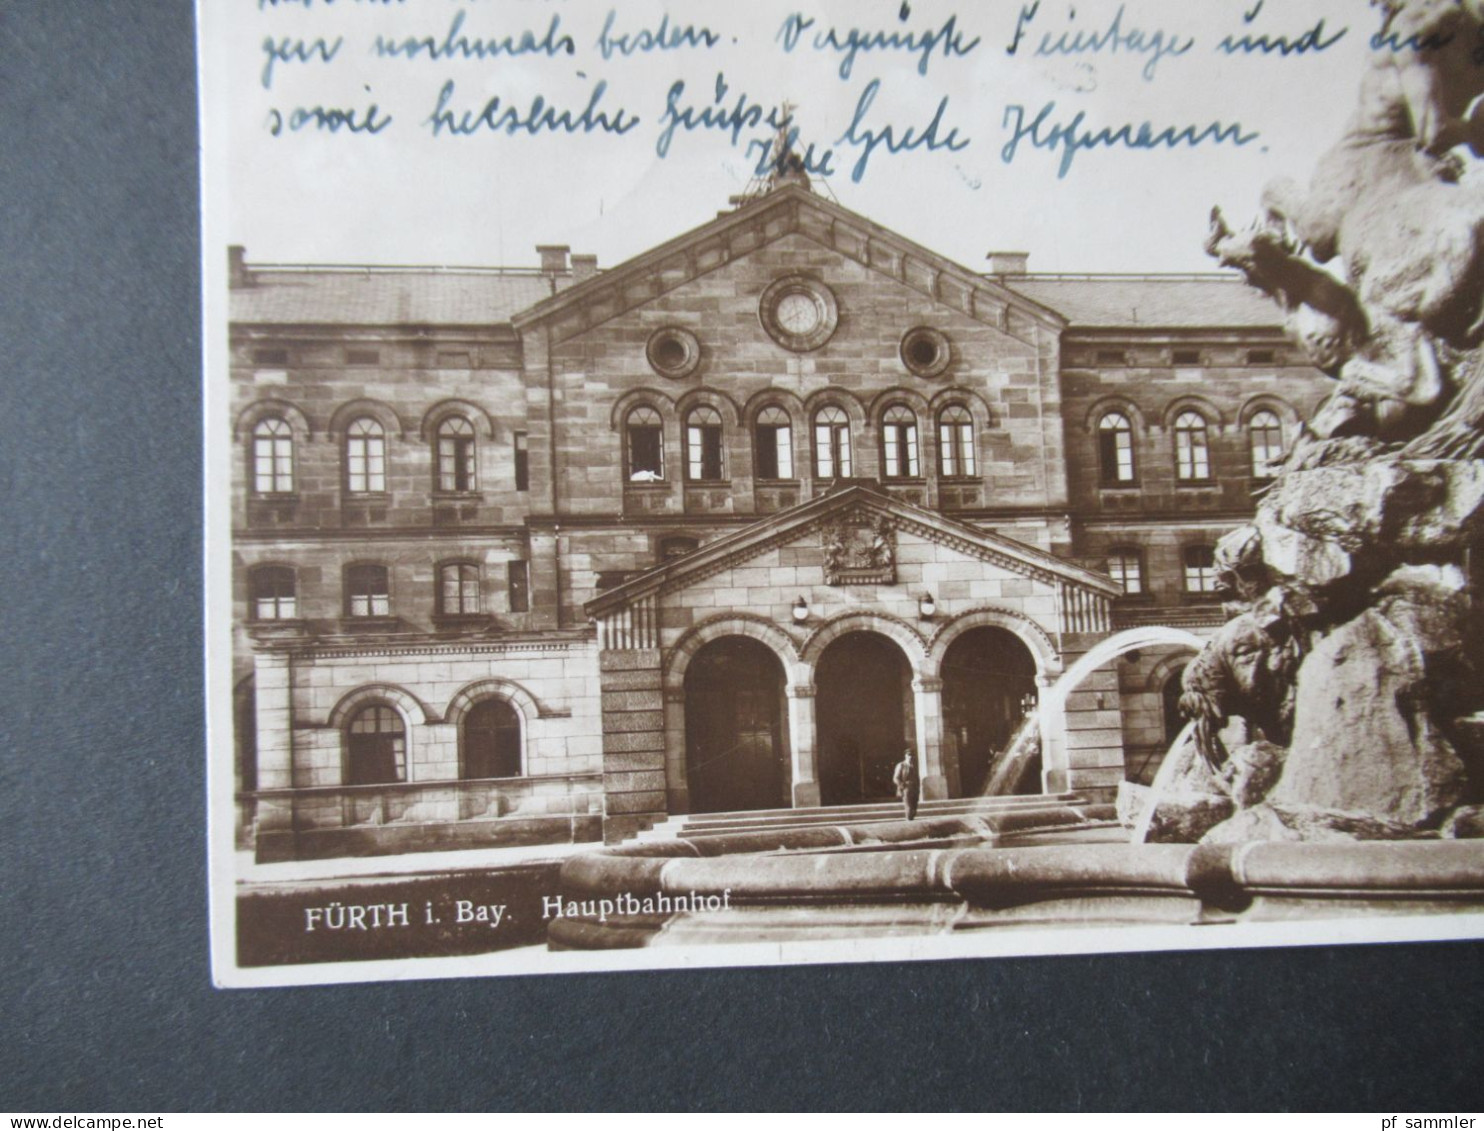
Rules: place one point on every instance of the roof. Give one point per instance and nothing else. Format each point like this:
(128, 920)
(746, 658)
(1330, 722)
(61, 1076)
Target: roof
(1150, 301)
(376, 296)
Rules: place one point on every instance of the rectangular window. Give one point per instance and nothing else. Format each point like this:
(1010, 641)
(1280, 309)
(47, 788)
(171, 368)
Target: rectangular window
(520, 587)
(458, 591)
(901, 451)
(775, 456)
(1200, 569)
(367, 591)
(646, 463)
(703, 452)
(522, 463)
(1123, 567)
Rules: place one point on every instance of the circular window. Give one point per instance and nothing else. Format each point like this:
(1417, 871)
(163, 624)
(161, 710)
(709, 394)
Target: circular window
(925, 351)
(673, 352)
(798, 313)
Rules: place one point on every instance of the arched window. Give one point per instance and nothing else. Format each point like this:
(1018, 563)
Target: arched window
(367, 592)
(376, 747)
(703, 461)
(1126, 567)
(458, 589)
(899, 443)
(644, 432)
(775, 444)
(1266, 431)
(365, 457)
(492, 740)
(456, 456)
(956, 442)
(1192, 449)
(272, 457)
(1115, 450)
(831, 443)
(1200, 569)
(272, 593)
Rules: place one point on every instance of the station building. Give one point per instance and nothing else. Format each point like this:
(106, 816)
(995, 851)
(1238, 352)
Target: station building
(549, 554)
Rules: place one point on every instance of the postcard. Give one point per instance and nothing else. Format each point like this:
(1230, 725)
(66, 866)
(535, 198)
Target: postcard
(693, 485)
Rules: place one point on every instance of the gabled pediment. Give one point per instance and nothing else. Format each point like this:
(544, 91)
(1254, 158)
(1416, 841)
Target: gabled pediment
(786, 211)
(853, 534)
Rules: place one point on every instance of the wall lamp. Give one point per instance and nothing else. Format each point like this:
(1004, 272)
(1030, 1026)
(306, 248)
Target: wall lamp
(926, 606)
(800, 611)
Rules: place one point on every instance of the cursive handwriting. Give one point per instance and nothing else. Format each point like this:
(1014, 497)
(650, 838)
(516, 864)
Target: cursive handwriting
(457, 45)
(743, 114)
(662, 38)
(1311, 40)
(905, 141)
(852, 41)
(1071, 137)
(538, 118)
(1112, 39)
(295, 51)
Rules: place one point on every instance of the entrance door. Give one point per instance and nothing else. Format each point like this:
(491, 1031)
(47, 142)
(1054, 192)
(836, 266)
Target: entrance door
(863, 710)
(734, 752)
(987, 675)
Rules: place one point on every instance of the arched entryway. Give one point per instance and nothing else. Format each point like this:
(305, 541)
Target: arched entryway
(735, 753)
(864, 717)
(989, 676)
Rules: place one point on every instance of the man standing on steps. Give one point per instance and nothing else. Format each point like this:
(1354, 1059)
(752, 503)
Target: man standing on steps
(906, 780)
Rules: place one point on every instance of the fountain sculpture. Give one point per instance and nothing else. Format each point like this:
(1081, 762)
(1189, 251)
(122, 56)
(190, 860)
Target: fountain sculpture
(1339, 704)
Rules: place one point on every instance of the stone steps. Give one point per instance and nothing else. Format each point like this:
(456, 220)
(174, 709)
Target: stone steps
(693, 825)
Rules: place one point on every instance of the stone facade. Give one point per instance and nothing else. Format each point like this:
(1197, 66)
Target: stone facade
(499, 536)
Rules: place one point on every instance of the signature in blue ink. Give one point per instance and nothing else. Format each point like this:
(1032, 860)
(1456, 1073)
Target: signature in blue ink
(786, 158)
(895, 141)
(537, 118)
(662, 38)
(743, 114)
(852, 41)
(456, 45)
(1111, 40)
(295, 51)
(1071, 137)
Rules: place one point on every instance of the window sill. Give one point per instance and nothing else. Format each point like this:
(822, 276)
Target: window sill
(274, 497)
(646, 485)
(370, 624)
(457, 496)
(366, 496)
(1196, 484)
(284, 626)
(462, 621)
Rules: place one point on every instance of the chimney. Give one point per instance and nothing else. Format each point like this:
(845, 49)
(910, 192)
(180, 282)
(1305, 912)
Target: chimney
(553, 258)
(1007, 262)
(237, 272)
(584, 267)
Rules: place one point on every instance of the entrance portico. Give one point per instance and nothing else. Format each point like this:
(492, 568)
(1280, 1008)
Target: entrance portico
(790, 671)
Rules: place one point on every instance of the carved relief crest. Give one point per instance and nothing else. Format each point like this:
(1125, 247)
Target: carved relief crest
(859, 551)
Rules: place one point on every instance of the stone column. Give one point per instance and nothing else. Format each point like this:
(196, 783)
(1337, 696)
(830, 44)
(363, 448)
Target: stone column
(927, 705)
(803, 742)
(275, 737)
(677, 784)
(1053, 738)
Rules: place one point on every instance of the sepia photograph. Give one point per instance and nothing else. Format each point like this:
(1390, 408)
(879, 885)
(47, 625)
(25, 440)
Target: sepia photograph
(690, 486)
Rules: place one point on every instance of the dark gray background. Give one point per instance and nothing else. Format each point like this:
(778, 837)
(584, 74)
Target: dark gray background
(107, 1003)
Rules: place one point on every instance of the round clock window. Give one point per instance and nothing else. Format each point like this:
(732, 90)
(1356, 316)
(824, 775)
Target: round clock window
(798, 313)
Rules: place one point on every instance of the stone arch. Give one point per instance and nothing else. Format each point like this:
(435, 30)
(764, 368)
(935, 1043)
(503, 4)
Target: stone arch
(731, 624)
(1159, 674)
(482, 421)
(730, 412)
(1191, 403)
(1274, 404)
(982, 410)
(844, 398)
(1027, 631)
(898, 395)
(526, 705)
(248, 418)
(350, 411)
(1104, 405)
(788, 401)
(411, 708)
(893, 628)
(660, 402)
